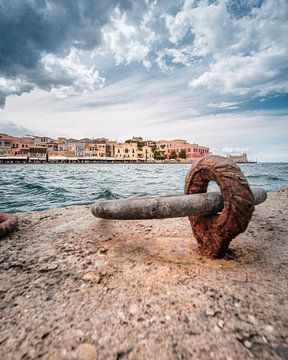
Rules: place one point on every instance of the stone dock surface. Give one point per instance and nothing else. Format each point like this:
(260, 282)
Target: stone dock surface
(76, 287)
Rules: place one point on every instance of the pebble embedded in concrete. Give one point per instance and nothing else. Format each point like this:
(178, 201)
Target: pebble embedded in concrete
(86, 352)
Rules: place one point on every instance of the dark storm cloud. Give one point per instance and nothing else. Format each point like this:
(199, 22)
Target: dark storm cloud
(30, 29)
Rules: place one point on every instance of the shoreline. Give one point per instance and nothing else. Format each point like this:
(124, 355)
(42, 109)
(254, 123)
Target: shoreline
(35, 160)
(112, 162)
(139, 289)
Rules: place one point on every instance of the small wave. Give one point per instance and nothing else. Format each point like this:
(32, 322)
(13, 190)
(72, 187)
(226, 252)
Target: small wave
(34, 186)
(266, 177)
(58, 190)
(105, 194)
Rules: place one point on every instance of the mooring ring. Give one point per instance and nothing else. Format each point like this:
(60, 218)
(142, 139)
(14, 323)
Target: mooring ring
(214, 232)
(8, 223)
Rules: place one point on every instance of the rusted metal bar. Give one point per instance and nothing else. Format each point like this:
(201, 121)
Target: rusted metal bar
(160, 207)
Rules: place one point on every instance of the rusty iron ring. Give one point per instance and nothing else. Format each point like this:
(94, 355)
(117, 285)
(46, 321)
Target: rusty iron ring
(214, 232)
(8, 223)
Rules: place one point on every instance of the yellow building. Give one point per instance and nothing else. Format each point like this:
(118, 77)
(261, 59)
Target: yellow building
(96, 150)
(147, 153)
(101, 150)
(132, 152)
(164, 145)
(126, 151)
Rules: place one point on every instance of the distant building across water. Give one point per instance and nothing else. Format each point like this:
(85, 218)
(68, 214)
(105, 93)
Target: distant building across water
(135, 149)
(240, 159)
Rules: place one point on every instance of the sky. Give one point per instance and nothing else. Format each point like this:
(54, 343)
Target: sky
(214, 72)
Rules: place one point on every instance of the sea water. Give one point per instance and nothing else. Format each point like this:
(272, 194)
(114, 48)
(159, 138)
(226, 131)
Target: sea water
(29, 187)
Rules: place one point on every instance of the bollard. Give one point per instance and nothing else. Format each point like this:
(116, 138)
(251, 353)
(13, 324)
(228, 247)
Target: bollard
(215, 231)
(216, 218)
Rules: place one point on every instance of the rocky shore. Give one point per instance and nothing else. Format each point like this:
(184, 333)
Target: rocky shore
(76, 287)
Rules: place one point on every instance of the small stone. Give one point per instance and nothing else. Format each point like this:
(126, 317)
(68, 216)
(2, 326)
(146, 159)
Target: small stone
(133, 309)
(239, 336)
(47, 268)
(247, 344)
(210, 312)
(92, 276)
(252, 319)
(269, 328)
(220, 323)
(86, 352)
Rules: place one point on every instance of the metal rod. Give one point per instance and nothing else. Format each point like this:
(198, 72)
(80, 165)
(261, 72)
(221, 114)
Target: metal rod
(160, 207)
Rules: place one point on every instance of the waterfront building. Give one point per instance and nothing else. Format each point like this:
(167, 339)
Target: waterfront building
(191, 151)
(131, 151)
(135, 149)
(62, 144)
(14, 146)
(45, 141)
(163, 145)
(151, 144)
(86, 141)
(77, 148)
(42, 140)
(64, 154)
(110, 148)
(6, 142)
(126, 151)
(62, 140)
(147, 153)
(242, 158)
(63, 147)
(101, 147)
(37, 151)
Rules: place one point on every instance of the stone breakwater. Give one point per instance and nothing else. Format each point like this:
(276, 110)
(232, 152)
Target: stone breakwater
(76, 287)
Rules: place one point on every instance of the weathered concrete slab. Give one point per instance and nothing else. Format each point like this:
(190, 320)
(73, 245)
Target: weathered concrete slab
(139, 290)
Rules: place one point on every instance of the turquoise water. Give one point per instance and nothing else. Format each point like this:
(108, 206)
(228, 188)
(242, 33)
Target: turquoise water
(27, 187)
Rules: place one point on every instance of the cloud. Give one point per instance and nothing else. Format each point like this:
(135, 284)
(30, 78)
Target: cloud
(129, 41)
(235, 150)
(245, 51)
(76, 78)
(14, 86)
(69, 47)
(11, 128)
(223, 105)
(258, 73)
(34, 29)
